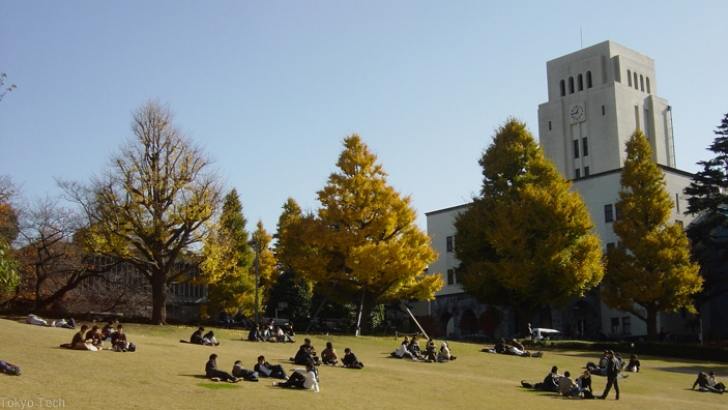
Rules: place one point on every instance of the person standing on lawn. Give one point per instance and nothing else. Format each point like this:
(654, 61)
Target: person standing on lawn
(613, 368)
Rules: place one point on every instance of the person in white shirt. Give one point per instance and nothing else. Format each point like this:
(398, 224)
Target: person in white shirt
(302, 379)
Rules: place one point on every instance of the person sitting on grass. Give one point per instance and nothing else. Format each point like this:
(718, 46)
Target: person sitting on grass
(329, 356)
(302, 379)
(350, 360)
(242, 373)
(108, 330)
(94, 337)
(209, 339)
(196, 337)
(79, 341)
(414, 348)
(430, 351)
(119, 342)
(9, 368)
(265, 369)
(585, 386)
(707, 382)
(550, 382)
(213, 373)
(402, 351)
(567, 386)
(306, 353)
(634, 364)
(445, 355)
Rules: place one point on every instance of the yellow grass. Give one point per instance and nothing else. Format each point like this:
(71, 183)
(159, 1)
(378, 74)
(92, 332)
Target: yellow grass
(165, 374)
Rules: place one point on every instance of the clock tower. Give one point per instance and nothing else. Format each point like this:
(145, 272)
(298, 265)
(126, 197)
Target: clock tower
(598, 96)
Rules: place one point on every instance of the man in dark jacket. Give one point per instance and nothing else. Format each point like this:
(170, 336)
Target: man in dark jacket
(212, 372)
(613, 368)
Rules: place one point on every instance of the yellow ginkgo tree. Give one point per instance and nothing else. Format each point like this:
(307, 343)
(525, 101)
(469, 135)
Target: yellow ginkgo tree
(363, 245)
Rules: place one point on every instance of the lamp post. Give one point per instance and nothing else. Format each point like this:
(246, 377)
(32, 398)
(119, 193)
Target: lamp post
(257, 279)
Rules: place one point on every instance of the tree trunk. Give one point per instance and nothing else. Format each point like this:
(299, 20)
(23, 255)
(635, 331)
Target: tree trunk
(159, 298)
(652, 330)
(361, 312)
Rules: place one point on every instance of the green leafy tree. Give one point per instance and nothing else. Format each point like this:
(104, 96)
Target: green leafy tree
(363, 245)
(528, 240)
(650, 270)
(9, 277)
(152, 204)
(227, 259)
(708, 190)
(290, 290)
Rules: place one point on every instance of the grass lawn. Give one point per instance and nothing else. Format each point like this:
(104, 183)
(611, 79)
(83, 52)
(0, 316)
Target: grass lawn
(164, 373)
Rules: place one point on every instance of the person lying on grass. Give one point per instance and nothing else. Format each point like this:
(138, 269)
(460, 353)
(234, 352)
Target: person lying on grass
(242, 373)
(445, 355)
(329, 356)
(350, 360)
(9, 368)
(302, 379)
(707, 382)
(550, 382)
(79, 341)
(213, 373)
(402, 352)
(265, 369)
(514, 348)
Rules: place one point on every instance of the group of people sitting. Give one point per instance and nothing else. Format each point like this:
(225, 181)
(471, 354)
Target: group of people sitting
(564, 384)
(330, 358)
(410, 349)
(33, 319)
(513, 348)
(199, 337)
(300, 378)
(270, 332)
(706, 382)
(600, 369)
(93, 339)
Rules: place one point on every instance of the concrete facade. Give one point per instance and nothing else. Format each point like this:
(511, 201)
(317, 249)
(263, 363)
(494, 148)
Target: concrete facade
(584, 132)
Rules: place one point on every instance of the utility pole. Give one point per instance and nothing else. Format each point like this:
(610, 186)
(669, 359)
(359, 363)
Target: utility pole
(257, 279)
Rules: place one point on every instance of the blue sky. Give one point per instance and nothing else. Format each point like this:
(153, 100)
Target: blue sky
(269, 89)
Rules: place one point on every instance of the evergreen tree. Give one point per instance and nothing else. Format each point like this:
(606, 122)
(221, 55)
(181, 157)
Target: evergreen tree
(650, 270)
(709, 188)
(364, 246)
(527, 241)
(227, 259)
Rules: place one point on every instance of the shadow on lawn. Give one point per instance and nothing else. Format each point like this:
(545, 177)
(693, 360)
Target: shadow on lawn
(694, 369)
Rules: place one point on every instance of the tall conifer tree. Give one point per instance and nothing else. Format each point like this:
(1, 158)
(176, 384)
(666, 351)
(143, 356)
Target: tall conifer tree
(528, 240)
(650, 270)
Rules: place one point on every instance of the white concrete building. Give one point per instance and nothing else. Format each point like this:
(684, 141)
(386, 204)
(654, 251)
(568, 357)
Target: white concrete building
(598, 96)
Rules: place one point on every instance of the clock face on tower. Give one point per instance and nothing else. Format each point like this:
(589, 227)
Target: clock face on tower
(577, 113)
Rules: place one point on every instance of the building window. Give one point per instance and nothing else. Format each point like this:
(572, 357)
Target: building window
(449, 243)
(576, 148)
(626, 325)
(642, 83)
(610, 246)
(584, 147)
(562, 85)
(604, 110)
(577, 172)
(586, 171)
(549, 125)
(629, 78)
(580, 82)
(647, 80)
(451, 276)
(636, 86)
(677, 203)
(608, 213)
(571, 85)
(588, 79)
(615, 325)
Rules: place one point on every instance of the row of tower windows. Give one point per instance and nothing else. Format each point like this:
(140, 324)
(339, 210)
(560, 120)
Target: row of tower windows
(638, 81)
(579, 83)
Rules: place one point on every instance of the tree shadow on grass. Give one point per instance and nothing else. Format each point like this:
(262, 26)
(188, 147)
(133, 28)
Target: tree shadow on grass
(695, 369)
